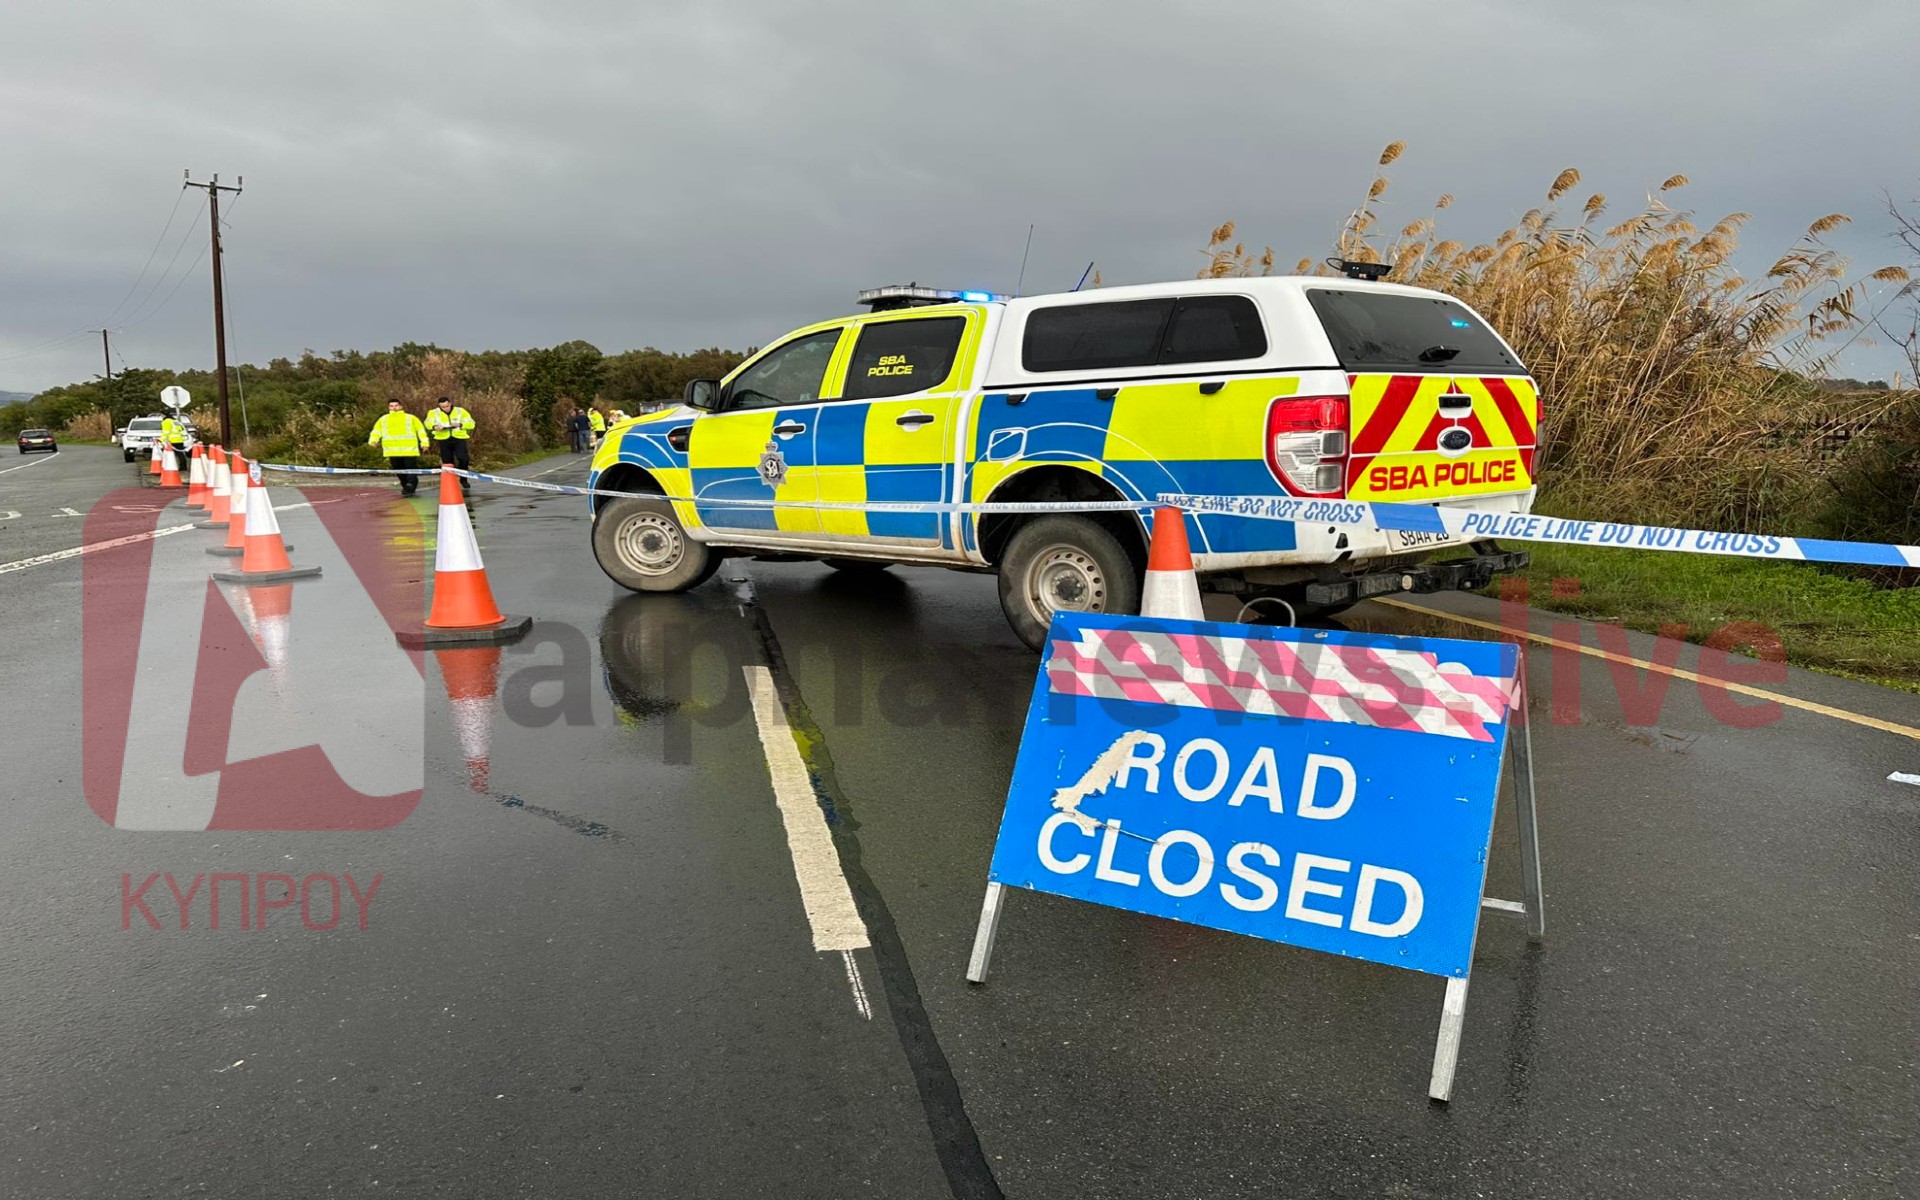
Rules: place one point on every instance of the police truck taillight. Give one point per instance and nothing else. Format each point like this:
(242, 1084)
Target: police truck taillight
(1307, 444)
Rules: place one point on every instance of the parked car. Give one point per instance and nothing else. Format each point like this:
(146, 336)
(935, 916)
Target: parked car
(37, 439)
(1326, 389)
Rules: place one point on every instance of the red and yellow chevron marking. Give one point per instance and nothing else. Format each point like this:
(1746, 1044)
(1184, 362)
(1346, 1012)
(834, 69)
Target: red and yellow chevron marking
(1396, 423)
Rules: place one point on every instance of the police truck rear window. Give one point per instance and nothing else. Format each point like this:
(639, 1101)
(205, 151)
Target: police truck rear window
(1373, 331)
(893, 358)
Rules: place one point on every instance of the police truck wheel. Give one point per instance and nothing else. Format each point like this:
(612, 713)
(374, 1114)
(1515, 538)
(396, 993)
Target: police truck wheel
(640, 545)
(1064, 564)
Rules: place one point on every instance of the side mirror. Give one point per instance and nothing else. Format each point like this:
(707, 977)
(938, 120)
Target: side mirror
(703, 394)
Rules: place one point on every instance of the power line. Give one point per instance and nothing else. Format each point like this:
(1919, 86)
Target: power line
(177, 198)
(134, 317)
(49, 345)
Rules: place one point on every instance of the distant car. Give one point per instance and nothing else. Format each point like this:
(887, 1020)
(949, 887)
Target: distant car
(37, 439)
(137, 441)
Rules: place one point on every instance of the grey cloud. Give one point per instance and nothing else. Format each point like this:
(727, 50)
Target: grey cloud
(517, 174)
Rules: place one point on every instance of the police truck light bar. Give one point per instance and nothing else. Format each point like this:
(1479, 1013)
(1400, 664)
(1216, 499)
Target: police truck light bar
(912, 295)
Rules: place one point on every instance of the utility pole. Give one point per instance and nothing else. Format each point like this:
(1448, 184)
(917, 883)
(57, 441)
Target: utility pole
(213, 188)
(106, 356)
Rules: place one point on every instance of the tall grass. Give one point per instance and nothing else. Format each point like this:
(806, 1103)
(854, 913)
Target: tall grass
(1674, 388)
(88, 427)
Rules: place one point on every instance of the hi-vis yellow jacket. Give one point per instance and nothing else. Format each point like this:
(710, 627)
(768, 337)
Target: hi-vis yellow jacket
(173, 431)
(455, 423)
(597, 420)
(399, 435)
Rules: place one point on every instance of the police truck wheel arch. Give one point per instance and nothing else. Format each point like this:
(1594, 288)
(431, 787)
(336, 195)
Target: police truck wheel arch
(642, 546)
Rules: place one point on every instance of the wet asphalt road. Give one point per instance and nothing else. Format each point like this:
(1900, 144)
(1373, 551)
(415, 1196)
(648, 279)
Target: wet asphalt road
(590, 972)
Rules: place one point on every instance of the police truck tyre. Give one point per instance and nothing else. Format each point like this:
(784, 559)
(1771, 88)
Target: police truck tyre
(641, 546)
(857, 566)
(1064, 563)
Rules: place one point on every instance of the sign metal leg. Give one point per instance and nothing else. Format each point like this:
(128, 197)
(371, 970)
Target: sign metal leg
(1446, 1051)
(984, 935)
(1527, 814)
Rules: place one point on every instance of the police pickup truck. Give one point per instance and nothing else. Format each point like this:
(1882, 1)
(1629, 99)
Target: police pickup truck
(861, 441)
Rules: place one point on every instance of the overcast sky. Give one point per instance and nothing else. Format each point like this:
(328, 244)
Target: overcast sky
(515, 174)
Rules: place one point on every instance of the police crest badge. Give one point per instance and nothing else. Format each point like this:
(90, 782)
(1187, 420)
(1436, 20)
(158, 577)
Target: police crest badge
(773, 466)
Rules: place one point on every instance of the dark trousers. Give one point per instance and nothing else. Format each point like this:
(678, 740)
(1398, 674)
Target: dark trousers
(454, 453)
(405, 462)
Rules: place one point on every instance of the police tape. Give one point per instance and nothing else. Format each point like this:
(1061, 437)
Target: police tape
(1461, 524)
(1468, 524)
(873, 506)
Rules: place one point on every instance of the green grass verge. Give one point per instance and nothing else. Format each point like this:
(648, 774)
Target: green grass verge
(1824, 619)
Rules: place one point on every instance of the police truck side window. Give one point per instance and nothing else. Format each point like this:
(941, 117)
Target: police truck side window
(1214, 329)
(1381, 330)
(787, 376)
(1090, 337)
(1143, 333)
(893, 358)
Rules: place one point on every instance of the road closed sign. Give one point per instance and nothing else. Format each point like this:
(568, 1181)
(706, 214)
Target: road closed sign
(1329, 790)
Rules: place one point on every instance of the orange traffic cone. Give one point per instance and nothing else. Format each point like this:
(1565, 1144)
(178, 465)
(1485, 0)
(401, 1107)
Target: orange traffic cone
(471, 676)
(153, 468)
(219, 490)
(196, 477)
(236, 543)
(1171, 588)
(235, 511)
(265, 558)
(169, 469)
(463, 611)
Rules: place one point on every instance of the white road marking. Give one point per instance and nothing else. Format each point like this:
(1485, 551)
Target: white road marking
(1903, 777)
(61, 555)
(550, 470)
(9, 515)
(77, 551)
(859, 988)
(67, 512)
(36, 462)
(816, 864)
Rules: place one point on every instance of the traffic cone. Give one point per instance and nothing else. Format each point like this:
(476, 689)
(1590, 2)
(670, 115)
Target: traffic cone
(1171, 588)
(219, 489)
(463, 611)
(169, 469)
(153, 468)
(196, 477)
(471, 676)
(236, 543)
(265, 558)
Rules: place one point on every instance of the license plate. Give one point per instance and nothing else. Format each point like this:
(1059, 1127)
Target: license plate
(1400, 539)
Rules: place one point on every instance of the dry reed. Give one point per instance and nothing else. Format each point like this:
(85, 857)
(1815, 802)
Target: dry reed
(1674, 388)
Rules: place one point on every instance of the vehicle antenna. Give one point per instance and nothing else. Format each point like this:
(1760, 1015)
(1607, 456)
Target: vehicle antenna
(1023, 261)
(1083, 277)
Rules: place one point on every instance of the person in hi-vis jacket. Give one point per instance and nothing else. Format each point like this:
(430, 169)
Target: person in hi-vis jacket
(452, 430)
(403, 439)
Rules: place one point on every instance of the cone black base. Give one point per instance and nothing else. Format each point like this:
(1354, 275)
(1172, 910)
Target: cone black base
(510, 629)
(267, 576)
(231, 552)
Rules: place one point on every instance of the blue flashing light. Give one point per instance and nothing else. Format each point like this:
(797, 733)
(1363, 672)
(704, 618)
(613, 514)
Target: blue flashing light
(1457, 323)
(976, 297)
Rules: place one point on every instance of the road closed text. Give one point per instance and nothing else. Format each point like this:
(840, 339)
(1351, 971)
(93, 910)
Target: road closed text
(1253, 876)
